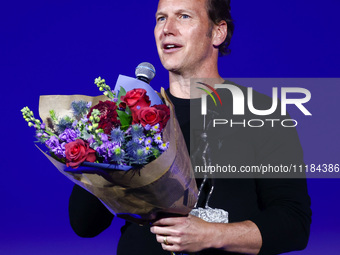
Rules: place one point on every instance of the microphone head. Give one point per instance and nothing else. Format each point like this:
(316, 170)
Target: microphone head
(145, 71)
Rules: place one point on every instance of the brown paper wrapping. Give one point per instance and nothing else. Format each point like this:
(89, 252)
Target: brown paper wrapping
(165, 185)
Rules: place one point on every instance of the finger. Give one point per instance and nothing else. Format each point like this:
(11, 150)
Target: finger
(170, 221)
(164, 239)
(165, 231)
(173, 248)
(168, 240)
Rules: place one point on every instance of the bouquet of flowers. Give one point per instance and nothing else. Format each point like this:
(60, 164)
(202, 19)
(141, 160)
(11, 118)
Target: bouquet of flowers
(129, 154)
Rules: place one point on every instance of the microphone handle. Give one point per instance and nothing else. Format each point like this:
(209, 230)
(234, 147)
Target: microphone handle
(142, 78)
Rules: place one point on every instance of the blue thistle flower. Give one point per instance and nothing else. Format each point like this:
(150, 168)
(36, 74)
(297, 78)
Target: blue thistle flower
(64, 123)
(117, 135)
(79, 108)
(118, 154)
(137, 131)
(140, 157)
(132, 147)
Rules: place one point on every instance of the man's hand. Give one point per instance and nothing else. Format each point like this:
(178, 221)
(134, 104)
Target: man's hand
(182, 233)
(192, 234)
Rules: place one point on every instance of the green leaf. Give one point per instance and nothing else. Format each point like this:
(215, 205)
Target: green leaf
(155, 152)
(122, 92)
(53, 116)
(125, 119)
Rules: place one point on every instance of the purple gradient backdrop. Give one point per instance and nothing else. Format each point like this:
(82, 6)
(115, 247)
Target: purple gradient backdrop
(59, 47)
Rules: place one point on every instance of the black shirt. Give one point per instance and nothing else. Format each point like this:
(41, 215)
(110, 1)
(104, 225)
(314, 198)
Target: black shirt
(279, 207)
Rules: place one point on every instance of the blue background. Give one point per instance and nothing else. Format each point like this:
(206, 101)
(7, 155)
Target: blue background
(59, 47)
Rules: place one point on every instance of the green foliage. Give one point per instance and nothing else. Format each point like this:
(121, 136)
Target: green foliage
(125, 119)
(101, 84)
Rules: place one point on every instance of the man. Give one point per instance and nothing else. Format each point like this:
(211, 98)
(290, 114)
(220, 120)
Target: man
(187, 42)
(267, 217)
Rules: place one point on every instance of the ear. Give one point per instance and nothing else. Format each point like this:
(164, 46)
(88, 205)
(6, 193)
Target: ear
(220, 32)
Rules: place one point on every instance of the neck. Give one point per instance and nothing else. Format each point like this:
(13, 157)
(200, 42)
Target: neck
(180, 82)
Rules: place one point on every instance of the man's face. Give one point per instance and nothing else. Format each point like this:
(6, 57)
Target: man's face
(182, 34)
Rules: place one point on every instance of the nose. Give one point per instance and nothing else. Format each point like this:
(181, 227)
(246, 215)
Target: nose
(170, 27)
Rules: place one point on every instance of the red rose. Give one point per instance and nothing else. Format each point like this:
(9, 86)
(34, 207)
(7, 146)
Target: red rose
(152, 115)
(108, 116)
(77, 152)
(136, 99)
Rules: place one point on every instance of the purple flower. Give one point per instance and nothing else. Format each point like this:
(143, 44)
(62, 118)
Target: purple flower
(69, 135)
(89, 104)
(155, 128)
(104, 138)
(158, 138)
(147, 127)
(141, 139)
(111, 146)
(57, 148)
(42, 126)
(102, 151)
(148, 141)
(91, 140)
(74, 124)
(60, 151)
(163, 146)
(84, 120)
(52, 143)
(107, 151)
(147, 150)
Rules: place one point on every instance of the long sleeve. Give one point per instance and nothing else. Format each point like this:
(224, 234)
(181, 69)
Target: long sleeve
(88, 216)
(285, 217)
(279, 205)
(284, 221)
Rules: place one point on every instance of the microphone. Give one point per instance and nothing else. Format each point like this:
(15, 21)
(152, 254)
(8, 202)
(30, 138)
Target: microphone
(145, 72)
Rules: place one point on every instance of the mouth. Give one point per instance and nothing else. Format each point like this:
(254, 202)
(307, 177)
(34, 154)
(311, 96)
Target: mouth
(171, 47)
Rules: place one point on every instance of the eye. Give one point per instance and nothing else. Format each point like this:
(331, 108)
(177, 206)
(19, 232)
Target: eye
(185, 16)
(160, 18)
